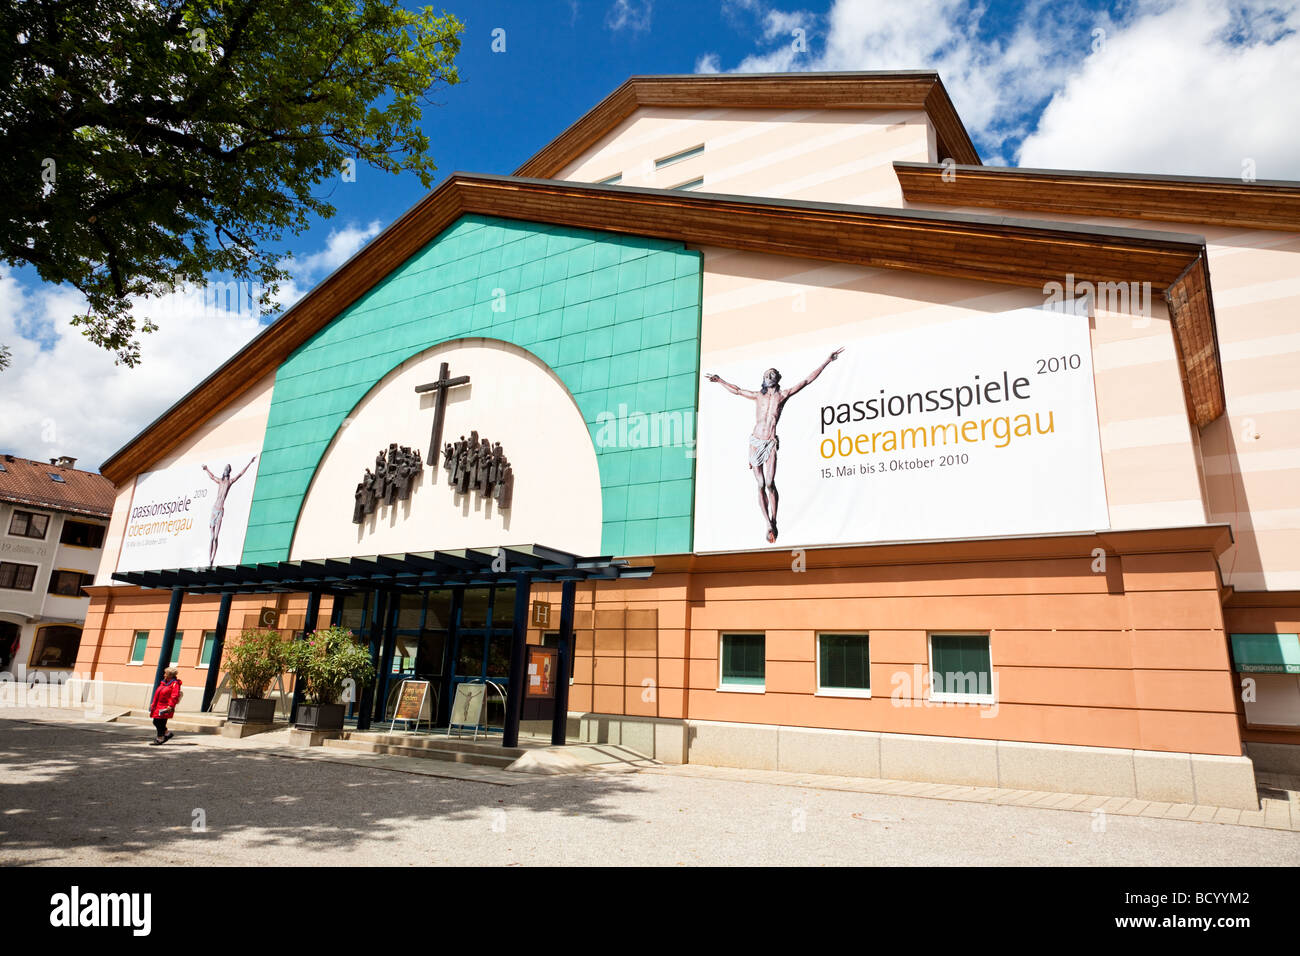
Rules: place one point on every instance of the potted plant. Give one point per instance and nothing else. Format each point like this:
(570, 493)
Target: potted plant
(328, 663)
(252, 662)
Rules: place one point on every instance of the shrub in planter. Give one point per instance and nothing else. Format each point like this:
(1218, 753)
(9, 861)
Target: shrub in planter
(252, 662)
(329, 664)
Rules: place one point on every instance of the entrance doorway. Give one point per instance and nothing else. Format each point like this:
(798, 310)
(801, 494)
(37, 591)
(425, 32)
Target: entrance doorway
(447, 636)
(483, 632)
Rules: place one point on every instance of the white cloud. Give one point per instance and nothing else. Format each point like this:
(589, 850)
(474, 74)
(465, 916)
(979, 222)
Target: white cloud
(1194, 87)
(631, 15)
(1171, 93)
(341, 246)
(61, 395)
(708, 63)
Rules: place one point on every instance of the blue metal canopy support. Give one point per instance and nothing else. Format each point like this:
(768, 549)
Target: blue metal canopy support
(518, 664)
(564, 665)
(218, 648)
(168, 641)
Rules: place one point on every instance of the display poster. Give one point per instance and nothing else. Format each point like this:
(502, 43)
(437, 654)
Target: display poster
(978, 427)
(191, 514)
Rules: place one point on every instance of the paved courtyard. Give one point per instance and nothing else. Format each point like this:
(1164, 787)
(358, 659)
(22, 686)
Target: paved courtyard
(77, 793)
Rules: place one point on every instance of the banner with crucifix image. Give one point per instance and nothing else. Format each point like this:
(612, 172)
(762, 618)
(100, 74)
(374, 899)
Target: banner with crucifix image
(977, 426)
(191, 514)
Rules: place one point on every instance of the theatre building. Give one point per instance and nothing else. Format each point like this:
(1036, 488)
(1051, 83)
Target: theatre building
(843, 453)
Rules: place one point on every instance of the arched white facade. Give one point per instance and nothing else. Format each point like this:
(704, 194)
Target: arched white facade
(512, 398)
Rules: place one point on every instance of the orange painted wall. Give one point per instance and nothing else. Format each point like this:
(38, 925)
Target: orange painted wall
(115, 615)
(1132, 655)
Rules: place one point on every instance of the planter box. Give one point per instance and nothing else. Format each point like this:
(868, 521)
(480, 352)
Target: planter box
(320, 716)
(251, 710)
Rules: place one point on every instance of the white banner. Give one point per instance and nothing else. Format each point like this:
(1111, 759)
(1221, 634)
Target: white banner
(191, 514)
(983, 426)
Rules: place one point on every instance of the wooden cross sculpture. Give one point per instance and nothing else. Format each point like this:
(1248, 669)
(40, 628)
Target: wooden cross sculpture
(442, 386)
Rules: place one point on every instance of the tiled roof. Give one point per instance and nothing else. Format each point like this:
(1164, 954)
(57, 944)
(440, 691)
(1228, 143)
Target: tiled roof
(28, 482)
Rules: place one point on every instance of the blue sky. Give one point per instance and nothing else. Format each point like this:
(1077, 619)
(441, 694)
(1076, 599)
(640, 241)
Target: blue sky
(1196, 87)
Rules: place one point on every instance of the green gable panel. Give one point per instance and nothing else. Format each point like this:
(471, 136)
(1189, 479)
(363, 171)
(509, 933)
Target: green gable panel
(616, 317)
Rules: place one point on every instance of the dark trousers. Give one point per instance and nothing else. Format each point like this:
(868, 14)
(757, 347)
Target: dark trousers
(161, 724)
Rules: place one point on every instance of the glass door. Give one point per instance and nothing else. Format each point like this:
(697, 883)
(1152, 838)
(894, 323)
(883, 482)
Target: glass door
(484, 631)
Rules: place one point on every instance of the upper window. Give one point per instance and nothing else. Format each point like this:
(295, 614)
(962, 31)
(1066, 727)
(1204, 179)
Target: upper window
(55, 476)
(27, 524)
(744, 664)
(82, 535)
(610, 180)
(678, 157)
(138, 646)
(176, 648)
(19, 577)
(689, 184)
(70, 583)
(843, 665)
(961, 668)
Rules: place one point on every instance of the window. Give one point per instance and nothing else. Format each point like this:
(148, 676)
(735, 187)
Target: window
(176, 648)
(138, 646)
(70, 583)
(843, 665)
(79, 534)
(19, 577)
(56, 646)
(205, 649)
(610, 180)
(960, 668)
(678, 157)
(692, 184)
(744, 665)
(55, 476)
(26, 524)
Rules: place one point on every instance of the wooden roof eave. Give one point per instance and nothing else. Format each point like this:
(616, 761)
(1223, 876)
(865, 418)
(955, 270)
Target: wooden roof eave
(986, 248)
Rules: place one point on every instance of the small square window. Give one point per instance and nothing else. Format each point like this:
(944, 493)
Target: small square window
(138, 647)
(961, 668)
(843, 665)
(744, 663)
(19, 577)
(205, 651)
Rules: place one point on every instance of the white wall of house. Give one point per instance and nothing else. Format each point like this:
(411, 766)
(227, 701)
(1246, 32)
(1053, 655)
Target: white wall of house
(36, 607)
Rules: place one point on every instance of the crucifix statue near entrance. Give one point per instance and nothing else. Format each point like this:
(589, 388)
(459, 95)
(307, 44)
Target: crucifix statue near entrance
(442, 386)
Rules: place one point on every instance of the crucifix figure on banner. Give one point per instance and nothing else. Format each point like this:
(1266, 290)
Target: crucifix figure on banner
(442, 386)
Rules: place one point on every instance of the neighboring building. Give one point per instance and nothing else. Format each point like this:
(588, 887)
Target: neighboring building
(53, 518)
(1036, 526)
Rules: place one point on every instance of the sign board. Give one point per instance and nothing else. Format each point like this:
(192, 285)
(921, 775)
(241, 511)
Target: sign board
(541, 616)
(268, 617)
(467, 705)
(411, 701)
(982, 426)
(543, 662)
(191, 514)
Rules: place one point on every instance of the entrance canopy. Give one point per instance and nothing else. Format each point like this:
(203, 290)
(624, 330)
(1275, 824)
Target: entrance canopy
(466, 567)
(384, 574)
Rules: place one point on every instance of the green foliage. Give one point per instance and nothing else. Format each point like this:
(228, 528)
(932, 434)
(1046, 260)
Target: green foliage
(254, 660)
(148, 145)
(327, 660)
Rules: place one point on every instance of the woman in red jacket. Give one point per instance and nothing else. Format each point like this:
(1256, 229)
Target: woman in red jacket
(165, 699)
